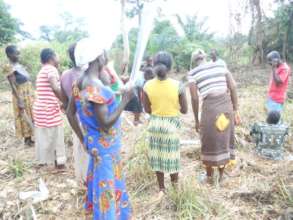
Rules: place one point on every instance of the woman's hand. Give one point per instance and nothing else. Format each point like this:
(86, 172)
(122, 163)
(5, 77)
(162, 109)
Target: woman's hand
(237, 118)
(128, 94)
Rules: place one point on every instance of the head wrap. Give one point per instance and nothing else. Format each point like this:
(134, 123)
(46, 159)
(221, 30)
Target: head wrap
(273, 55)
(195, 55)
(198, 53)
(86, 51)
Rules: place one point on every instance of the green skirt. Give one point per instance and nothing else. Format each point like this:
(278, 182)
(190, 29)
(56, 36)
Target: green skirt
(164, 144)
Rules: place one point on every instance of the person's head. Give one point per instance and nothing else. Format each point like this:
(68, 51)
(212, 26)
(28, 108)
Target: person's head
(48, 56)
(273, 117)
(162, 64)
(71, 50)
(98, 65)
(12, 53)
(197, 57)
(148, 73)
(274, 58)
(90, 56)
(214, 55)
(149, 61)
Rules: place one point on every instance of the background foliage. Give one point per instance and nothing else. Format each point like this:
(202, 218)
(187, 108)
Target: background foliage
(237, 49)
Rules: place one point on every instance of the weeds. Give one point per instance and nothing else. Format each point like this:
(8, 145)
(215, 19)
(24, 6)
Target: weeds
(285, 193)
(139, 174)
(192, 202)
(17, 168)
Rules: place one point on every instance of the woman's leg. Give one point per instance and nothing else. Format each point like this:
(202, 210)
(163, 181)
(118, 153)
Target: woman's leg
(28, 141)
(136, 118)
(174, 179)
(160, 178)
(221, 173)
(210, 173)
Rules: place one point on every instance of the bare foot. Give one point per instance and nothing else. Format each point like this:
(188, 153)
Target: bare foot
(209, 180)
(161, 195)
(158, 198)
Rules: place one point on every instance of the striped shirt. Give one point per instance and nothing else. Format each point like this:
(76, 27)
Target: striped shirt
(209, 78)
(46, 110)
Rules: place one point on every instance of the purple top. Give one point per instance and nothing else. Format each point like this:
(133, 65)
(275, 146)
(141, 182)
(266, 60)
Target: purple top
(67, 79)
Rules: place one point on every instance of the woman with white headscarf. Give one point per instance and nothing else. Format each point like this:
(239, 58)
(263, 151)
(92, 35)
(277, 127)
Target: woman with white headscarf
(99, 113)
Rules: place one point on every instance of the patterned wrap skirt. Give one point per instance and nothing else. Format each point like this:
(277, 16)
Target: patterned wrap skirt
(22, 128)
(107, 198)
(217, 130)
(164, 144)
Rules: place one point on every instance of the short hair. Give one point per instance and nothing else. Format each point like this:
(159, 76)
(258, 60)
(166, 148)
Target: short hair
(71, 50)
(46, 55)
(148, 71)
(273, 117)
(163, 58)
(11, 49)
(215, 51)
(148, 58)
(273, 55)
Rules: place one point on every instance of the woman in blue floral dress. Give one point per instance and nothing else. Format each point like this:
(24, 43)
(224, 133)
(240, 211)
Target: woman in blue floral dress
(99, 114)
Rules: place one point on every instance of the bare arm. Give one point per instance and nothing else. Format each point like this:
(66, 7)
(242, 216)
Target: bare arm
(276, 77)
(232, 87)
(194, 101)
(64, 98)
(55, 85)
(12, 83)
(101, 112)
(71, 116)
(146, 103)
(183, 103)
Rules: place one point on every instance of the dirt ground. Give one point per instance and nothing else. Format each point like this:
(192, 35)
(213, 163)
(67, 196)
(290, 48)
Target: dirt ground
(255, 189)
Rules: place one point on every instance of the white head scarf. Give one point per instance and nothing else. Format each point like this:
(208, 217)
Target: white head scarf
(195, 55)
(86, 51)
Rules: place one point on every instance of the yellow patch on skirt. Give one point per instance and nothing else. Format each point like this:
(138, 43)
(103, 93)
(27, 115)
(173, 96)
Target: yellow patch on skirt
(222, 122)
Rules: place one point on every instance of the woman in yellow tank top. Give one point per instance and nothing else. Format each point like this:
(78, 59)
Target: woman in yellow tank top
(163, 100)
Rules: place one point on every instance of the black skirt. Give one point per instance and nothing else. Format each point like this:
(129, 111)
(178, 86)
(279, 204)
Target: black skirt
(135, 105)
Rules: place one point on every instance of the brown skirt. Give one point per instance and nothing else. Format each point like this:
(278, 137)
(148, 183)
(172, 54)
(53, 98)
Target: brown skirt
(217, 143)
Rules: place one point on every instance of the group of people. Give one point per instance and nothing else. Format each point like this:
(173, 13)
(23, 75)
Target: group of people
(93, 98)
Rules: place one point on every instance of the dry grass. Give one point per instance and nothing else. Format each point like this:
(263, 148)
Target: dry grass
(260, 189)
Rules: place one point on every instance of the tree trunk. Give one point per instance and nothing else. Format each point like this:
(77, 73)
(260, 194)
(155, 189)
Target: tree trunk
(139, 9)
(125, 60)
(258, 55)
(286, 34)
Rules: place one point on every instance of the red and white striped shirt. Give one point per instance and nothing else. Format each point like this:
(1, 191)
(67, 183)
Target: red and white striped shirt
(46, 110)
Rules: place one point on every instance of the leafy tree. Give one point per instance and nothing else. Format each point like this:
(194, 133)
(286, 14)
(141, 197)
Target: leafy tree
(47, 32)
(278, 31)
(194, 28)
(9, 26)
(284, 17)
(164, 37)
(70, 31)
(256, 31)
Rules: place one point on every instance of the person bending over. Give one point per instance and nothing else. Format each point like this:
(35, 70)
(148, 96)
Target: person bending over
(270, 136)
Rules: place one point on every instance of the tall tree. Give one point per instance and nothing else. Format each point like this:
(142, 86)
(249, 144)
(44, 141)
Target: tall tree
(9, 26)
(70, 30)
(194, 28)
(126, 51)
(257, 31)
(287, 17)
